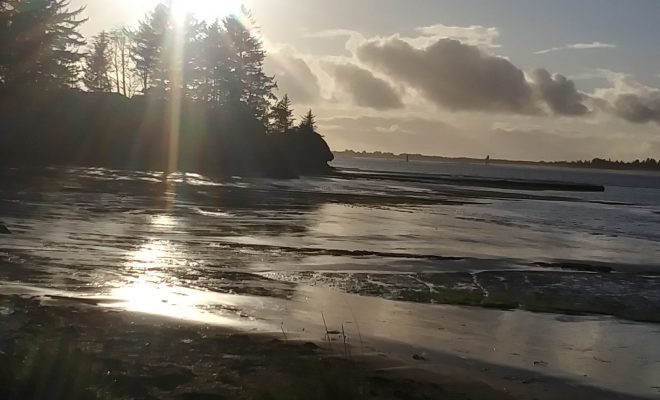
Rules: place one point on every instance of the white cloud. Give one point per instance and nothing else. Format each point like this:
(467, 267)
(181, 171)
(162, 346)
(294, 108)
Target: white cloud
(578, 46)
(475, 35)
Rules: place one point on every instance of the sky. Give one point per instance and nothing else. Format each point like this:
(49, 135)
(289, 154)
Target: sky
(515, 79)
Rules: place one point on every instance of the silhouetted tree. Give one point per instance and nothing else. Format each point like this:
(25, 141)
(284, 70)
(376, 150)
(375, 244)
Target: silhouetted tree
(40, 43)
(97, 65)
(219, 67)
(5, 19)
(120, 50)
(147, 52)
(211, 66)
(308, 123)
(189, 33)
(248, 83)
(282, 116)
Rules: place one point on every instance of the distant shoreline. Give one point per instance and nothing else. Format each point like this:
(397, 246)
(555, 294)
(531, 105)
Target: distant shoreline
(596, 163)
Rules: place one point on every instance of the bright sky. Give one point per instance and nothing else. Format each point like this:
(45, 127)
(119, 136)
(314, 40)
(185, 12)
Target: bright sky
(383, 74)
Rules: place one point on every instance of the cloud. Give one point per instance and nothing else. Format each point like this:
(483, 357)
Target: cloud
(559, 93)
(293, 75)
(476, 35)
(451, 67)
(638, 108)
(578, 46)
(453, 75)
(628, 99)
(364, 87)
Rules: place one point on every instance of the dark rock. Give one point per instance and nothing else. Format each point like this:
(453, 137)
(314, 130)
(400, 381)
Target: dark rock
(310, 346)
(4, 230)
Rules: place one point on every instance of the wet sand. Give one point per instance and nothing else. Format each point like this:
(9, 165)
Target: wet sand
(514, 292)
(65, 349)
(536, 352)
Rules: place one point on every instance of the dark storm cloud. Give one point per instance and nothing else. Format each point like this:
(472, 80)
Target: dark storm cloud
(453, 75)
(638, 108)
(559, 93)
(293, 76)
(365, 89)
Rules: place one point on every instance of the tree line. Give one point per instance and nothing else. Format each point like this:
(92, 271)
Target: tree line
(600, 163)
(219, 63)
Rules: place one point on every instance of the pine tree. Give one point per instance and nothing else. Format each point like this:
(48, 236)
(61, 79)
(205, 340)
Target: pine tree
(282, 116)
(308, 123)
(212, 66)
(40, 43)
(5, 19)
(97, 65)
(247, 82)
(192, 32)
(148, 48)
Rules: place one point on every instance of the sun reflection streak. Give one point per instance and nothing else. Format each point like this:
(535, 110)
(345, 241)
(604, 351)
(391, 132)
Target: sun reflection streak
(157, 291)
(150, 255)
(149, 295)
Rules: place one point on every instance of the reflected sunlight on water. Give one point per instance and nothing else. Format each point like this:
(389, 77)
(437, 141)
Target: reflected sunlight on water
(163, 221)
(149, 294)
(149, 255)
(155, 290)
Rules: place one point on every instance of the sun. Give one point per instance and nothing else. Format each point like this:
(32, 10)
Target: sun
(208, 10)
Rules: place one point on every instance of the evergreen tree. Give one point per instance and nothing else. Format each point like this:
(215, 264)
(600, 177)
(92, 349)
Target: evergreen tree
(282, 116)
(40, 43)
(308, 123)
(247, 82)
(212, 66)
(97, 65)
(147, 52)
(191, 33)
(5, 19)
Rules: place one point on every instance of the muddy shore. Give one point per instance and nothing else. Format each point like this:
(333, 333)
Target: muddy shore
(59, 349)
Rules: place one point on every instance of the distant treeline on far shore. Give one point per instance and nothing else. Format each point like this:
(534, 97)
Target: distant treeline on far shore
(650, 164)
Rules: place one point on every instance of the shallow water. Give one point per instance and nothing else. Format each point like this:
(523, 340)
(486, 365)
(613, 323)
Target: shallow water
(247, 251)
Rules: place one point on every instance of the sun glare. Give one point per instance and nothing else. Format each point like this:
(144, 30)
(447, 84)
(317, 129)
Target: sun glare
(205, 9)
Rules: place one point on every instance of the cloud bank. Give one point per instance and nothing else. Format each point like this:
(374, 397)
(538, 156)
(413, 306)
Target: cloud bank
(559, 93)
(364, 87)
(452, 68)
(463, 77)
(638, 108)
